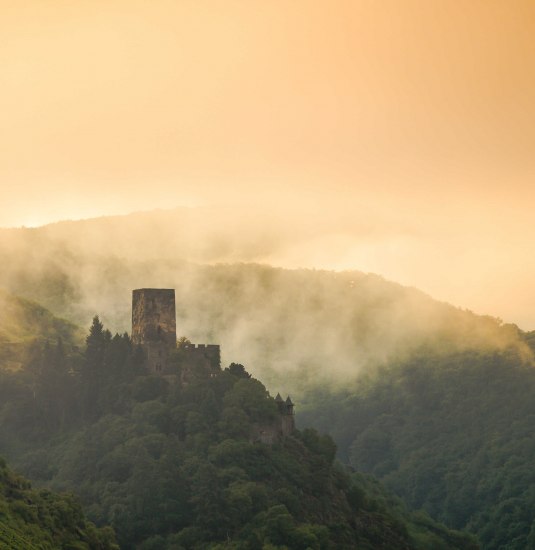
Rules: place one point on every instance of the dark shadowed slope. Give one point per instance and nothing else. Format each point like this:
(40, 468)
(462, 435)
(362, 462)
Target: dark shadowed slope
(42, 520)
(452, 434)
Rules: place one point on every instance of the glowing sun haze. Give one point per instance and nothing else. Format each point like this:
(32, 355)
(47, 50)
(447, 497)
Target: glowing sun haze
(415, 119)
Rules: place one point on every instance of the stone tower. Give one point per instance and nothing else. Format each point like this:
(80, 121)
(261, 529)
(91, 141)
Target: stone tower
(154, 325)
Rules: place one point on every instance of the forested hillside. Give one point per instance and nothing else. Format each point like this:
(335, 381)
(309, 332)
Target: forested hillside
(414, 390)
(23, 323)
(42, 520)
(171, 466)
(454, 435)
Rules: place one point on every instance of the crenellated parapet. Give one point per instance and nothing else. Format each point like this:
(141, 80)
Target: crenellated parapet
(198, 360)
(209, 351)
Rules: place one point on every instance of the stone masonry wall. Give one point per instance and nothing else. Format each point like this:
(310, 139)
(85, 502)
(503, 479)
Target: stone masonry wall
(154, 325)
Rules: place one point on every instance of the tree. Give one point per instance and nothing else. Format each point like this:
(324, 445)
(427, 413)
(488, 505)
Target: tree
(238, 370)
(93, 368)
(183, 342)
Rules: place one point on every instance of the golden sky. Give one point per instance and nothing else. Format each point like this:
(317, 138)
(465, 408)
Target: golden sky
(415, 116)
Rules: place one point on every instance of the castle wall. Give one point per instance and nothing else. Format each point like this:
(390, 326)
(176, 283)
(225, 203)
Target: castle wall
(208, 354)
(282, 427)
(271, 433)
(267, 434)
(201, 359)
(287, 424)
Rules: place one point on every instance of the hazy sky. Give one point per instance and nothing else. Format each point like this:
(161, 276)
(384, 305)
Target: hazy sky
(414, 119)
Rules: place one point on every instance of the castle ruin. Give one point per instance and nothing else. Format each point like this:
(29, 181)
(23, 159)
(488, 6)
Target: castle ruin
(154, 330)
(200, 358)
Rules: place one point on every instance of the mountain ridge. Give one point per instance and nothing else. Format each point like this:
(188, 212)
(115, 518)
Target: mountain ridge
(335, 325)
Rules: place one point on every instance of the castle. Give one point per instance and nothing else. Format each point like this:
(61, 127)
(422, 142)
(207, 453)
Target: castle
(154, 330)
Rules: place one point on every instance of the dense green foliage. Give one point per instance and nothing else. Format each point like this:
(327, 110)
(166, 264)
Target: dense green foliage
(42, 520)
(178, 467)
(424, 532)
(452, 434)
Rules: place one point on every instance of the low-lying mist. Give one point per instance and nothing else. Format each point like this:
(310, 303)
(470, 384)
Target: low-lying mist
(294, 327)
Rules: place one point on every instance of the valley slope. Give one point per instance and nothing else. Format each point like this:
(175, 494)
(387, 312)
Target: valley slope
(180, 466)
(431, 398)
